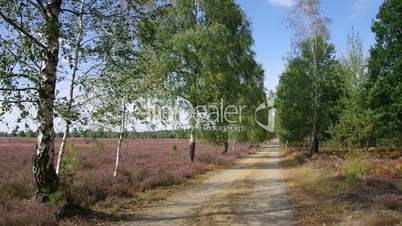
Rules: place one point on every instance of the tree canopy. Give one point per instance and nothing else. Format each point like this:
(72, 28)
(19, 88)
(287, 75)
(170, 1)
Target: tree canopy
(384, 85)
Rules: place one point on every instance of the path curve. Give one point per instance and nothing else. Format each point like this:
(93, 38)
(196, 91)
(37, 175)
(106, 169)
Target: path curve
(251, 192)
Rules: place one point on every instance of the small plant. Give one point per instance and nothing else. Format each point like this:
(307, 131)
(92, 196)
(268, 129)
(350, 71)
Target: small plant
(99, 145)
(61, 197)
(174, 150)
(70, 161)
(356, 165)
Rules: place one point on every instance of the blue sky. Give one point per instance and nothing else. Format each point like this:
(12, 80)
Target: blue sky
(273, 37)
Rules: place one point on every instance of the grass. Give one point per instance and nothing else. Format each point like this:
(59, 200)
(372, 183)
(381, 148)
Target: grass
(353, 189)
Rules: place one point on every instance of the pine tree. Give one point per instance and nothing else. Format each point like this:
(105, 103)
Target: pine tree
(384, 87)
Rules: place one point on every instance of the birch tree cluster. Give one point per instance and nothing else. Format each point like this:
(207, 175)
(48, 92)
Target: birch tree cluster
(350, 101)
(86, 63)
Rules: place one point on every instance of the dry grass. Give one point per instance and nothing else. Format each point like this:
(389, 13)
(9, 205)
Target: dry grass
(323, 194)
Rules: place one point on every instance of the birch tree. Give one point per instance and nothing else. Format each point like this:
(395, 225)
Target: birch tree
(203, 55)
(125, 77)
(182, 37)
(75, 60)
(310, 27)
(30, 57)
(231, 42)
(111, 109)
(296, 93)
(31, 49)
(117, 91)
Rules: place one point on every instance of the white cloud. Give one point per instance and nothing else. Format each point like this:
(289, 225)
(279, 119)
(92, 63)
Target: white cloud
(285, 3)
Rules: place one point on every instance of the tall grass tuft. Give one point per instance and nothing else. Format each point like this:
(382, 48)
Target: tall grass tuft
(356, 165)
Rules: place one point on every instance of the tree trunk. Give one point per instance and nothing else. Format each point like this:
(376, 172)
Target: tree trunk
(314, 143)
(72, 86)
(120, 141)
(314, 146)
(45, 177)
(61, 149)
(118, 154)
(233, 144)
(252, 131)
(191, 148)
(226, 142)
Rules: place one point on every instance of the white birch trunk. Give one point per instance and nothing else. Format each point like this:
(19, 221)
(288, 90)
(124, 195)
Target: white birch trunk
(61, 150)
(118, 152)
(313, 148)
(70, 102)
(120, 141)
(46, 181)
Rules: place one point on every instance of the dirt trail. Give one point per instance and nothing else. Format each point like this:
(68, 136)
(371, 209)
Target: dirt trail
(252, 192)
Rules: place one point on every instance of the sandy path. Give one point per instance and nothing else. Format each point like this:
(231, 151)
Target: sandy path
(252, 192)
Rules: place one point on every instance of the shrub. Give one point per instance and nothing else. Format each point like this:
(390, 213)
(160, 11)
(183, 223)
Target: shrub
(162, 179)
(356, 165)
(99, 145)
(17, 189)
(174, 150)
(385, 168)
(70, 162)
(68, 169)
(27, 212)
(87, 189)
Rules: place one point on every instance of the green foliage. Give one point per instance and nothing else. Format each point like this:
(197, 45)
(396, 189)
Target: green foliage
(293, 109)
(99, 145)
(371, 110)
(70, 161)
(62, 197)
(173, 151)
(58, 199)
(209, 59)
(297, 88)
(384, 87)
(355, 127)
(356, 165)
(252, 96)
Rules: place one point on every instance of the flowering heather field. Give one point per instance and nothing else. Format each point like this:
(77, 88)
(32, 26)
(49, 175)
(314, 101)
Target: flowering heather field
(145, 164)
